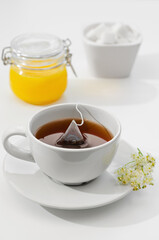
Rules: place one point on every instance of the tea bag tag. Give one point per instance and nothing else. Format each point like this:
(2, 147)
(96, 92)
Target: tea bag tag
(72, 136)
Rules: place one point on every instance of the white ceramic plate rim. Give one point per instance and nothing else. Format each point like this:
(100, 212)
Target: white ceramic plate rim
(89, 206)
(100, 202)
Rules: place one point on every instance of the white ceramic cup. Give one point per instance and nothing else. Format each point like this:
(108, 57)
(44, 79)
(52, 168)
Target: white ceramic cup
(69, 166)
(110, 60)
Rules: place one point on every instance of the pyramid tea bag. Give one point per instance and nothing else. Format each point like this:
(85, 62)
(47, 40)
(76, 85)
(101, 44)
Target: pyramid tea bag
(72, 138)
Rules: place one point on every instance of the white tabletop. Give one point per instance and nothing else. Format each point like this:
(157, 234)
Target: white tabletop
(135, 101)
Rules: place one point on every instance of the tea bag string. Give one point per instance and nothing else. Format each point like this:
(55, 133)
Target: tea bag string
(82, 120)
(86, 110)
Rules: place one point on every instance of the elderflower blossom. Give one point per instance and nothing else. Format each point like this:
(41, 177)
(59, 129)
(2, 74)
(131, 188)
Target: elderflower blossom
(138, 172)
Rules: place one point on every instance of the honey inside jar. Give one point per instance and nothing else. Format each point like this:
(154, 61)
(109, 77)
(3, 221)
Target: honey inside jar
(38, 87)
(38, 73)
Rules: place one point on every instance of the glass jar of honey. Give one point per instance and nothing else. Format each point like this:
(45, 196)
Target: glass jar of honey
(38, 62)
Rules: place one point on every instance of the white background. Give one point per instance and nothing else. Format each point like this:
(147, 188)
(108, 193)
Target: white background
(135, 101)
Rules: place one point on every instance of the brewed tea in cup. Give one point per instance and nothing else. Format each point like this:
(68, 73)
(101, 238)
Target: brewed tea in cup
(90, 134)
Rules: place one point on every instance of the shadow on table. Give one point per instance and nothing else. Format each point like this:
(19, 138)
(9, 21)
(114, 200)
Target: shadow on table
(110, 92)
(135, 208)
(137, 89)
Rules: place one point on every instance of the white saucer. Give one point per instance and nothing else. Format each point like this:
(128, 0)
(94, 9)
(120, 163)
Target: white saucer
(28, 180)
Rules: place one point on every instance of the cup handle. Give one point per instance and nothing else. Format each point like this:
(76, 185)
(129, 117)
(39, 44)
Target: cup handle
(14, 150)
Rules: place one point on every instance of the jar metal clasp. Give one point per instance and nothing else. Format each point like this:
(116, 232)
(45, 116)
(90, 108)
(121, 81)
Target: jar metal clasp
(6, 55)
(68, 55)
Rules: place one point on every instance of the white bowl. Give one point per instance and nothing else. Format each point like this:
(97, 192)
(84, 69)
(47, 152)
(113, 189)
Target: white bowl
(110, 60)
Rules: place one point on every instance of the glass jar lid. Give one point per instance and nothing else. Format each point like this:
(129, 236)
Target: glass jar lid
(38, 51)
(36, 46)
